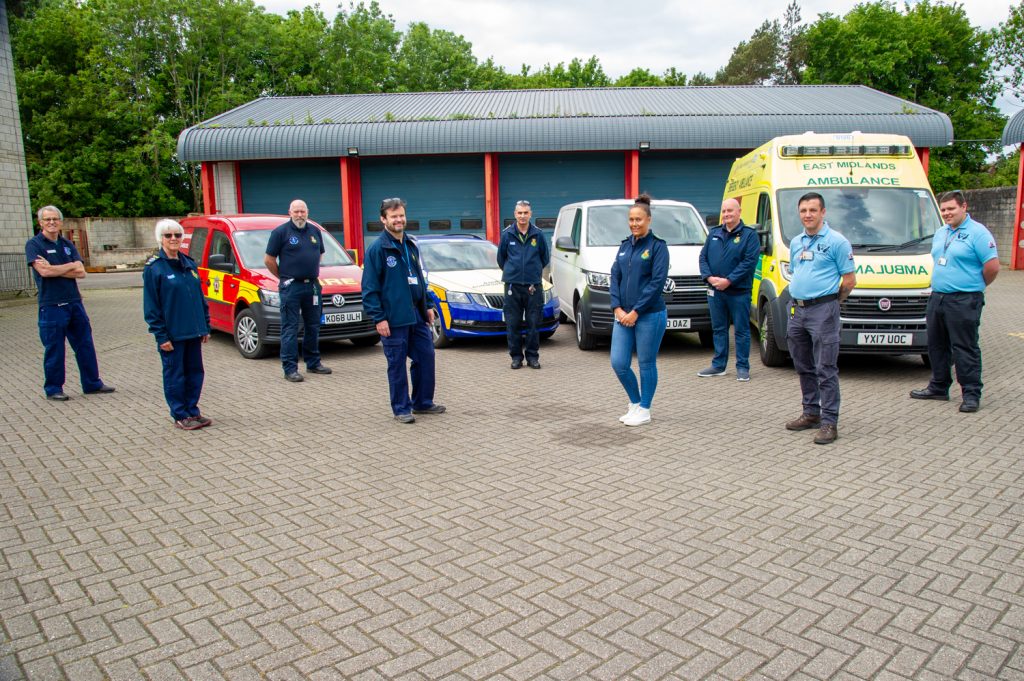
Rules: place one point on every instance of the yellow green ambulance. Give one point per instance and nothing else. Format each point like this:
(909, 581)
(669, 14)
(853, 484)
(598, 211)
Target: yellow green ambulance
(876, 195)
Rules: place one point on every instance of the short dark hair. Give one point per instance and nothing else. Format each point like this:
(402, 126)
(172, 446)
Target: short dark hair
(810, 196)
(955, 195)
(391, 204)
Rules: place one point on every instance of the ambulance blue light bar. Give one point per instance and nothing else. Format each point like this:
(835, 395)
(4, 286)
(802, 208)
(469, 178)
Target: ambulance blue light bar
(847, 150)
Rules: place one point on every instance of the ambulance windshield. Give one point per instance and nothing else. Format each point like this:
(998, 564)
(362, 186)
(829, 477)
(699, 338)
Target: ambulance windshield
(877, 218)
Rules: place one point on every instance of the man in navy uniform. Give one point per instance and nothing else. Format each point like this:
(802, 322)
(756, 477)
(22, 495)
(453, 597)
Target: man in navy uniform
(821, 261)
(395, 297)
(56, 265)
(523, 254)
(965, 262)
(293, 256)
(727, 264)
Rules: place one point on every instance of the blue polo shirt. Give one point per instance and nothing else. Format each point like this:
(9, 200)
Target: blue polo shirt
(831, 257)
(53, 290)
(965, 249)
(297, 250)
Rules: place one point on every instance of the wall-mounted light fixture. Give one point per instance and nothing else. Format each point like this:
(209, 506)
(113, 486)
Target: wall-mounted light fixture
(645, 146)
(353, 151)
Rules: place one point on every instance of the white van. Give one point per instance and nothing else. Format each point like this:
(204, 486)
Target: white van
(587, 236)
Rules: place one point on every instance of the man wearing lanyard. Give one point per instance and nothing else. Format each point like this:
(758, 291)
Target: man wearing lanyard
(293, 256)
(522, 256)
(821, 262)
(395, 297)
(966, 261)
(56, 265)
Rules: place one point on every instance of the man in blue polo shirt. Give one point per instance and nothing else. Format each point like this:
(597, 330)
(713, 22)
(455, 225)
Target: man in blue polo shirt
(965, 262)
(727, 264)
(293, 256)
(821, 262)
(56, 265)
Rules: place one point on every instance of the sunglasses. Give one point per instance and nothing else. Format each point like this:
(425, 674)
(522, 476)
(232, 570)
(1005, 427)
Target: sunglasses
(523, 203)
(172, 235)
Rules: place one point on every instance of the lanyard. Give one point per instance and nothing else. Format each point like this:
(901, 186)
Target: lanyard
(949, 239)
(408, 260)
(809, 246)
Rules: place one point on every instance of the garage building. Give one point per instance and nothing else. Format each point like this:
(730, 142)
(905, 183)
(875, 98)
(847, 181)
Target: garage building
(462, 159)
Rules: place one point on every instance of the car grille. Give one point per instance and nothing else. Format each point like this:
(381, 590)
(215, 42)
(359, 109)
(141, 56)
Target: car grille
(866, 307)
(495, 301)
(690, 290)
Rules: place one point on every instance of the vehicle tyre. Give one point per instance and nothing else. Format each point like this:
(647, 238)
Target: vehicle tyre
(248, 339)
(365, 341)
(562, 317)
(441, 338)
(584, 339)
(707, 339)
(771, 354)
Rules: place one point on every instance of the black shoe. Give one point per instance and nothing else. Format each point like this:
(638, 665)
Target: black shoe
(928, 394)
(102, 390)
(58, 397)
(405, 418)
(533, 363)
(432, 409)
(202, 421)
(319, 369)
(294, 377)
(969, 406)
(517, 363)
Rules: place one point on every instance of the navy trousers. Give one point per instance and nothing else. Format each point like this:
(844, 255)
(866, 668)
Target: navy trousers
(297, 301)
(69, 321)
(953, 321)
(735, 309)
(415, 343)
(813, 336)
(183, 377)
(520, 306)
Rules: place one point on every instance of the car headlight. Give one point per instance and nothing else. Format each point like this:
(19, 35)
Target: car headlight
(270, 298)
(599, 281)
(787, 273)
(458, 297)
(549, 295)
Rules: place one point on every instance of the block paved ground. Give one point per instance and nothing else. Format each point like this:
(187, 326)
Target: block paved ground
(525, 534)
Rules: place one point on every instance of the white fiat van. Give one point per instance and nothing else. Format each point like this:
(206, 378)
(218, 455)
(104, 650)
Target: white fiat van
(587, 236)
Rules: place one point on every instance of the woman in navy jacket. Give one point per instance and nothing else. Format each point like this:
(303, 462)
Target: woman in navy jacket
(638, 278)
(179, 319)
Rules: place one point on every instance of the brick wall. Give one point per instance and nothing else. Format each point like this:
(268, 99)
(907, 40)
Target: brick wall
(994, 209)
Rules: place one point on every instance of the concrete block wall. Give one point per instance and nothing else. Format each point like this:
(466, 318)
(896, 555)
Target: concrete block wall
(994, 209)
(116, 241)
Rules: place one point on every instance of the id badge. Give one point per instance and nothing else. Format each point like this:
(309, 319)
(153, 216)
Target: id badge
(807, 255)
(413, 281)
(942, 260)
(711, 293)
(316, 299)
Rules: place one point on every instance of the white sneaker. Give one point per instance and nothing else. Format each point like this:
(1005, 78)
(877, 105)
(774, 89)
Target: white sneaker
(639, 417)
(629, 412)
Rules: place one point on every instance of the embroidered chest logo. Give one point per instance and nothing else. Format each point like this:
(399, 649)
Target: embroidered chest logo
(646, 254)
(391, 261)
(533, 242)
(293, 240)
(67, 250)
(312, 238)
(823, 248)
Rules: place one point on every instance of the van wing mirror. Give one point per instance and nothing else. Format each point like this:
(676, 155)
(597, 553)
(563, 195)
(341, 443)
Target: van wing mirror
(764, 235)
(564, 243)
(215, 261)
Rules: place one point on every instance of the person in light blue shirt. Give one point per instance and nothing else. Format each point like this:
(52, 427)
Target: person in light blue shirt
(965, 262)
(821, 261)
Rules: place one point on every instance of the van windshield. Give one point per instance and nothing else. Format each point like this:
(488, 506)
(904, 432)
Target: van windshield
(677, 225)
(252, 245)
(873, 219)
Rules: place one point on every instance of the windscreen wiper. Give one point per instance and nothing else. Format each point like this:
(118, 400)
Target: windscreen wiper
(900, 247)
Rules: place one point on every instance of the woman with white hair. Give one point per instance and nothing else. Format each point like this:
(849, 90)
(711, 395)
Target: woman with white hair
(179, 319)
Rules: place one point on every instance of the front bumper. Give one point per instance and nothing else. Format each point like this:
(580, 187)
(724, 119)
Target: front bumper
(269, 321)
(478, 321)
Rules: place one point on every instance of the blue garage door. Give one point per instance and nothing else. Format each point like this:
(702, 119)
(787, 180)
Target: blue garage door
(445, 194)
(549, 181)
(270, 186)
(697, 179)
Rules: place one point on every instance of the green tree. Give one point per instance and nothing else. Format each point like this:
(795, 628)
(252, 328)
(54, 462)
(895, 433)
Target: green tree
(1009, 52)
(753, 62)
(363, 48)
(639, 78)
(434, 61)
(929, 54)
(673, 76)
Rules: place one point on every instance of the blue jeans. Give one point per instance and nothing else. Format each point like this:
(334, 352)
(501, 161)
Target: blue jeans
(415, 343)
(60, 322)
(645, 339)
(296, 301)
(734, 309)
(520, 303)
(183, 377)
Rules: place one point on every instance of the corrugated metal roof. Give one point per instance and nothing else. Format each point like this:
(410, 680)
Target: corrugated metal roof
(740, 117)
(1013, 133)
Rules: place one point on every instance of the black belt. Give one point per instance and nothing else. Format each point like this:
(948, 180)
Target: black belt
(300, 280)
(816, 301)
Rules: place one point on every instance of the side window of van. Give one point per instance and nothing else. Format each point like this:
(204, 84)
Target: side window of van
(197, 244)
(221, 245)
(577, 221)
(764, 211)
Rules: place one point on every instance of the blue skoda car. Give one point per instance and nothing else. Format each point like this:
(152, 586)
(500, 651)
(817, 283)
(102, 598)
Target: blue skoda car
(466, 289)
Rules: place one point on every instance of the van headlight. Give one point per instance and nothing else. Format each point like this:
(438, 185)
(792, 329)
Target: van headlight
(787, 273)
(599, 281)
(270, 298)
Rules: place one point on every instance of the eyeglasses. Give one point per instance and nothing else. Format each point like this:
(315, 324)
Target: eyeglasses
(49, 220)
(172, 235)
